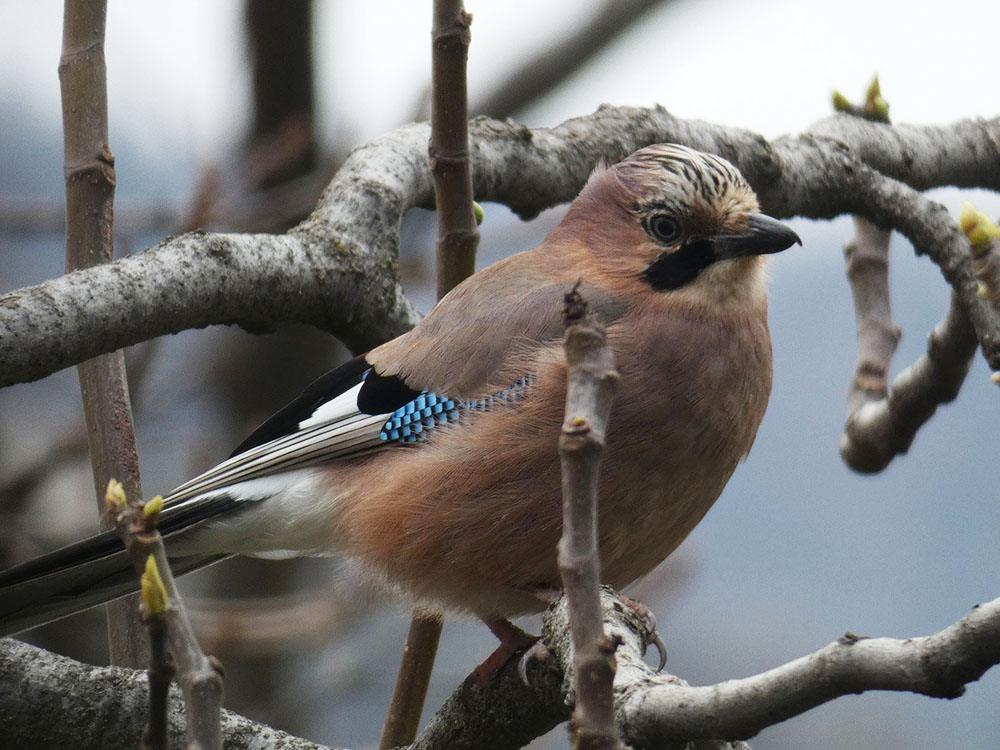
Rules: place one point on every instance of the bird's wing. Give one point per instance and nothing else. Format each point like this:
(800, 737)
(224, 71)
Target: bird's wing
(453, 361)
(467, 344)
(322, 424)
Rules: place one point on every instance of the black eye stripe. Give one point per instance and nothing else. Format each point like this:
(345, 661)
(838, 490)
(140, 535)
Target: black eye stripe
(674, 270)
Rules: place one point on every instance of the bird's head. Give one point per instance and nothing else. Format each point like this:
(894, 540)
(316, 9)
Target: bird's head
(678, 219)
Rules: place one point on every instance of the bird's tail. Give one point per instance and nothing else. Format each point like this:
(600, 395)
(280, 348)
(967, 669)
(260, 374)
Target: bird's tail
(88, 573)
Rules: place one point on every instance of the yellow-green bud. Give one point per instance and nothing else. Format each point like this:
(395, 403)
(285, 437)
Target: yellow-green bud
(114, 496)
(478, 210)
(840, 102)
(151, 510)
(154, 595)
(880, 107)
(978, 228)
(873, 92)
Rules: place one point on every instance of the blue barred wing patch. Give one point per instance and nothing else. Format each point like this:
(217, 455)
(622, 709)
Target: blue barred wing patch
(415, 420)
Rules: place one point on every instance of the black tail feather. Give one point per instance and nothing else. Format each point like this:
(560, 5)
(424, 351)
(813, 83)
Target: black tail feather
(93, 571)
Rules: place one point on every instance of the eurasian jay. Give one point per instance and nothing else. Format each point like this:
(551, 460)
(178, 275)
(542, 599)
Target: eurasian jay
(432, 459)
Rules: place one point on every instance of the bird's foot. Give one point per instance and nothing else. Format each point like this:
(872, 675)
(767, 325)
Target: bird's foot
(649, 620)
(512, 641)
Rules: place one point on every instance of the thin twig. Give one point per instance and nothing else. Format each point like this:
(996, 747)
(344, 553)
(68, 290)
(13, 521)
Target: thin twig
(867, 256)
(458, 235)
(403, 717)
(199, 676)
(90, 191)
(458, 238)
(590, 387)
(160, 673)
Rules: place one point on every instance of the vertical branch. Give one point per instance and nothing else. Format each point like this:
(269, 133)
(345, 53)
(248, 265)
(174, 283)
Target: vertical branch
(458, 238)
(882, 420)
(199, 675)
(591, 384)
(415, 667)
(90, 191)
(867, 256)
(159, 673)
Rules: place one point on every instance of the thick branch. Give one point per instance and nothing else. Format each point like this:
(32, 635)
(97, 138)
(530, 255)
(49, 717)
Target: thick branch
(878, 429)
(51, 701)
(655, 710)
(337, 269)
(48, 700)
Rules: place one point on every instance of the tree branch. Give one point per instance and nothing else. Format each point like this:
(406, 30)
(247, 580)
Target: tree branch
(655, 710)
(337, 269)
(591, 382)
(52, 701)
(199, 676)
(458, 234)
(867, 261)
(90, 195)
(49, 700)
(878, 429)
(457, 240)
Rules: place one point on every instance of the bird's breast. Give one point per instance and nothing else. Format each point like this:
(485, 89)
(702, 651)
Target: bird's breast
(694, 387)
(470, 518)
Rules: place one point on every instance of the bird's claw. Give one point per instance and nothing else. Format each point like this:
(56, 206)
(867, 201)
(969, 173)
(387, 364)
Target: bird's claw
(655, 640)
(537, 652)
(649, 620)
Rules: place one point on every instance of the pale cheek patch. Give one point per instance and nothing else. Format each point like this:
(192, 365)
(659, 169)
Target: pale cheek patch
(738, 282)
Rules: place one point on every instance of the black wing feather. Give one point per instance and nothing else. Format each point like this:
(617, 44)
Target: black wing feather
(379, 395)
(286, 420)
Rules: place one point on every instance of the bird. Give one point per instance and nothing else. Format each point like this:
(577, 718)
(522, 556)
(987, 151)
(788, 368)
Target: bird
(431, 461)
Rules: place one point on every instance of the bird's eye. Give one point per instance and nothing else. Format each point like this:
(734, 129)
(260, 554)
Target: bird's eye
(664, 228)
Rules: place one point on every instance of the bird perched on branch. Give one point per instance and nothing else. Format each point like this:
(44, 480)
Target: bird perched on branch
(432, 460)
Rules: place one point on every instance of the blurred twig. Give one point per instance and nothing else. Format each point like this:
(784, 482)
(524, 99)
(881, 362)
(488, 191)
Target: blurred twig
(565, 54)
(267, 626)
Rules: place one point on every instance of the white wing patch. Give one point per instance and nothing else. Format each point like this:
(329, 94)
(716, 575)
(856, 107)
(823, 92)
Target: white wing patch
(338, 407)
(336, 429)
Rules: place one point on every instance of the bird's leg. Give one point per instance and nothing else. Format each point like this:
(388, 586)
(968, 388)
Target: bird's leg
(512, 639)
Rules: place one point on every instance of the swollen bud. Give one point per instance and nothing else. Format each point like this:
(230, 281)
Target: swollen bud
(154, 595)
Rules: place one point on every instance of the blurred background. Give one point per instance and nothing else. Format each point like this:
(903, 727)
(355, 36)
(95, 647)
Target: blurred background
(232, 115)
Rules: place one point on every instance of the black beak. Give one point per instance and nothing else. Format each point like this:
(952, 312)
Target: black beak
(765, 236)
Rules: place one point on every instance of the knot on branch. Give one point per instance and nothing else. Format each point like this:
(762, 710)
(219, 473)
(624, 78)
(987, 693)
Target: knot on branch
(574, 305)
